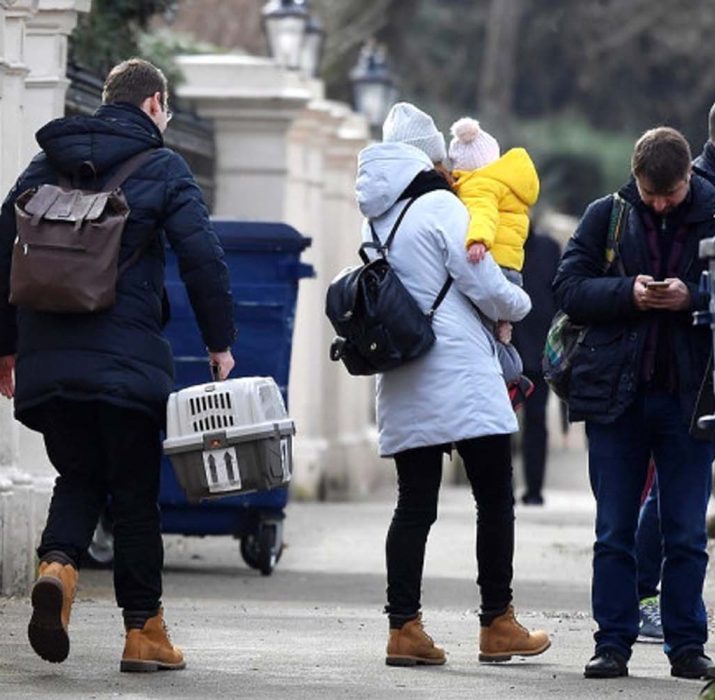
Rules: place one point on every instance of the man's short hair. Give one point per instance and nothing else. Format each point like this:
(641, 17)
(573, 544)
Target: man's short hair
(133, 81)
(662, 157)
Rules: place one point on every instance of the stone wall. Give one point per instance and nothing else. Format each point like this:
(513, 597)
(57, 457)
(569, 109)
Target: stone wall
(33, 51)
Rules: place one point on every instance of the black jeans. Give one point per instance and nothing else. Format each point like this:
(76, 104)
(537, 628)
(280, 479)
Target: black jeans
(102, 451)
(487, 461)
(535, 435)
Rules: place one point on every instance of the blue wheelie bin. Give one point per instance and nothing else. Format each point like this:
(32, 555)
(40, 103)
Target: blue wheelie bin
(264, 265)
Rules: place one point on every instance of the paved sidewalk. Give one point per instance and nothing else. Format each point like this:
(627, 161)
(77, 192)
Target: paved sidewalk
(315, 629)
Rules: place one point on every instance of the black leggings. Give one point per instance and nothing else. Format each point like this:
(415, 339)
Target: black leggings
(487, 461)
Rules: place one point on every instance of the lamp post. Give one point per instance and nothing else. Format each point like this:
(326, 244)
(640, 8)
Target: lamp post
(285, 23)
(313, 42)
(374, 89)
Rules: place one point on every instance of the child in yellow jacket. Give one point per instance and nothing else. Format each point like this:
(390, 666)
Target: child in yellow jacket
(497, 191)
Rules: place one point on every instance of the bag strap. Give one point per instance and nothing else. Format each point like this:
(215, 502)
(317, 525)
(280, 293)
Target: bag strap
(126, 169)
(440, 297)
(619, 211)
(383, 248)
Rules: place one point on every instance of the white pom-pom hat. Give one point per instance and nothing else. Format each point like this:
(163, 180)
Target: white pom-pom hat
(471, 147)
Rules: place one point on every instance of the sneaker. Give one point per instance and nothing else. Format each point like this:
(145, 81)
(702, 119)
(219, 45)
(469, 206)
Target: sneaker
(651, 627)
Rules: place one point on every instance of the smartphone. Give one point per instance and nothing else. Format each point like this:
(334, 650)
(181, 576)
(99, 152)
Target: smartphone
(657, 285)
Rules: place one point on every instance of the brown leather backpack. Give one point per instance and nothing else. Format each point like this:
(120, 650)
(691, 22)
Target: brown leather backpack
(67, 246)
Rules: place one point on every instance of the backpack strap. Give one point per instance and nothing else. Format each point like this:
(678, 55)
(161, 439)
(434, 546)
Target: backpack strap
(440, 297)
(383, 248)
(124, 171)
(619, 211)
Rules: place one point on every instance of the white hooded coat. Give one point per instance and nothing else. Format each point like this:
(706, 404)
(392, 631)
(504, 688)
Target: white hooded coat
(456, 390)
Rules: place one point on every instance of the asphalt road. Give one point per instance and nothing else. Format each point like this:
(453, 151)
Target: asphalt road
(314, 629)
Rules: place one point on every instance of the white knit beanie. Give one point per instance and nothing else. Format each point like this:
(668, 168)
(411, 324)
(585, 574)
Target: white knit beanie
(471, 147)
(407, 124)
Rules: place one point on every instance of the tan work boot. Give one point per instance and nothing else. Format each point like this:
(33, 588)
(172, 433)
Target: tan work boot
(505, 638)
(52, 598)
(150, 649)
(411, 645)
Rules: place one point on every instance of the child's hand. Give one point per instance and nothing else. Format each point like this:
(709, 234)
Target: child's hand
(476, 252)
(503, 332)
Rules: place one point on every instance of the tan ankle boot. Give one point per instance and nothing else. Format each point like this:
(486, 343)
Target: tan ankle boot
(505, 638)
(411, 645)
(52, 598)
(150, 649)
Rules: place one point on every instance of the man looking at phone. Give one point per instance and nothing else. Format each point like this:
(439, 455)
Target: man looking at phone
(636, 380)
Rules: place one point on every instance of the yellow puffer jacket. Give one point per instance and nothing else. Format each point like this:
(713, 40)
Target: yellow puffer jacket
(498, 197)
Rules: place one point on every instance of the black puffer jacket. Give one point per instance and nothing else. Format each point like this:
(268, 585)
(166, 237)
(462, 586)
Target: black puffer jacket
(118, 355)
(541, 260)
(704, 164)
(607, 365)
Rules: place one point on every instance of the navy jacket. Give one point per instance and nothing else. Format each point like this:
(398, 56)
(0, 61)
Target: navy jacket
(541, 260)
(118, 355)
(607, 364)
(704, 164)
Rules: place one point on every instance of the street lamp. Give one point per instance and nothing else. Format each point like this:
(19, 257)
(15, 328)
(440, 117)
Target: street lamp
(284, 23)
(374, 90)
(312, 50)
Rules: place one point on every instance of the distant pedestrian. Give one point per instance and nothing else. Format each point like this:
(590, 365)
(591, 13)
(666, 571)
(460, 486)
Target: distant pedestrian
(453, 395)
(541, 260)
(635, 381)
(95, 384)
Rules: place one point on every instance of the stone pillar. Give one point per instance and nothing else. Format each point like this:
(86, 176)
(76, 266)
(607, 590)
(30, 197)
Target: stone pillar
(263, 175)
(252, 103)
(309, 378)
(287, 154)
(33, 38)
(46, 85)
(353, 465)
(15, 71)
(46, 57)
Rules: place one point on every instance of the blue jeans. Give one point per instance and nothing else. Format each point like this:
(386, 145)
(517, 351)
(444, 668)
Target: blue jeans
(618, 463)
(649, 546)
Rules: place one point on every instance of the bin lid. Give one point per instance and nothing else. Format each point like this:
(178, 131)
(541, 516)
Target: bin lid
(259, 235)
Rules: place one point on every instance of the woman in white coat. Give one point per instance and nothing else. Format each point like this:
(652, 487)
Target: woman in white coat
(453, 395)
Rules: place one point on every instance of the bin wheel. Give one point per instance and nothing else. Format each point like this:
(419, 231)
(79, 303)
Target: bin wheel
(100, 553)
(263, 549)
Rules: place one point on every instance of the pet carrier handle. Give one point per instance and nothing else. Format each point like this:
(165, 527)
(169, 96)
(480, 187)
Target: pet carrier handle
(215, 370)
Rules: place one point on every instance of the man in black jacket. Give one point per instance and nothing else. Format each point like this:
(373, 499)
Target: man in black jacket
(704, 164)
(635, 381)
(96, 384)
